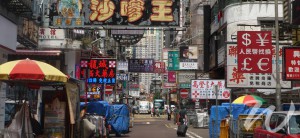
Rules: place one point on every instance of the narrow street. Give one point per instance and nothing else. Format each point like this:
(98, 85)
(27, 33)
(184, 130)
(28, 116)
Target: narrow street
(146, 126)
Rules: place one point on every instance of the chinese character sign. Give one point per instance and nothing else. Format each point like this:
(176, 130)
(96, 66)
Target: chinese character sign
(204, 89)
(291, 63)
(251, 80)
(141, 65)
(171, 76)
(173, 60)
(99, 71)
(159, 67)
(128, 12)
(254, 51)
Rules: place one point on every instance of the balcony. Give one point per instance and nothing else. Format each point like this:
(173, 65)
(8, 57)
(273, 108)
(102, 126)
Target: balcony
(19, 7)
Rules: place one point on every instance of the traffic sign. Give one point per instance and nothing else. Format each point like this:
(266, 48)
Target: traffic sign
(108, 89)
(184, 93)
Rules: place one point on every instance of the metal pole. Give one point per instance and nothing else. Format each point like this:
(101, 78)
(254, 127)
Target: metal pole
(278, 86)
(217, 115)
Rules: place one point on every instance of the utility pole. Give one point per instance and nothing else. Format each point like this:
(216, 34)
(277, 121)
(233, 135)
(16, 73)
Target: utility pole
(278, 86)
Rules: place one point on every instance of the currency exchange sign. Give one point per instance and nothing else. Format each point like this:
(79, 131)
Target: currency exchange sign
(254, 51)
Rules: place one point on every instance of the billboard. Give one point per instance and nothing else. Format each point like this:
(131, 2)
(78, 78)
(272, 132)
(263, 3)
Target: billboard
(235, 78)
(98, 71)
(254, 51)
(132, 12)
(141, 65)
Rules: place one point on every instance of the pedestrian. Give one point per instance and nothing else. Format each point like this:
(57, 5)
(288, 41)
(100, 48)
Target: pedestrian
(175, 112)
(153, 111)
(157, 112)
(169, 113)
(133, 111)
(182, 117)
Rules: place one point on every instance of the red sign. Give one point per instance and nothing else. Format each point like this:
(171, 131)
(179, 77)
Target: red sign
(291, 64)
(108, 89)
(254, 51)
(184, 93)
(171, 76)
(159, 67)
(226, 94)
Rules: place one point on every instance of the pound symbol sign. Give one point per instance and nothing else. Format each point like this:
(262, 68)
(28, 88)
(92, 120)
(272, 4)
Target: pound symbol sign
(246, 38)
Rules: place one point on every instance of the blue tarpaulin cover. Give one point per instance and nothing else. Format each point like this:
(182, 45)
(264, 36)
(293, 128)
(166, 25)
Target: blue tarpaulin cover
(119, 118)
(96, 107)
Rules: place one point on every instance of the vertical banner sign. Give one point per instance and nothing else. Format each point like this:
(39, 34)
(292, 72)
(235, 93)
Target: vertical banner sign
(252, 80)
(204, 89)
(100, 71)
(291, 56)
(173, 60)
(254, 51)
(172, 76)
(141, 65)
(159, 67)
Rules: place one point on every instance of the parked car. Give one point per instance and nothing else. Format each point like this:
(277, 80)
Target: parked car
(291, 128)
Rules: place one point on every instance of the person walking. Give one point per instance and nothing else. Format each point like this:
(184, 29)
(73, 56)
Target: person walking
(157, 112)
(152, 112)
(168, 110)
(182, 117)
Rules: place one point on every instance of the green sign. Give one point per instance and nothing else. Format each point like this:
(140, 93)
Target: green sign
(173, 60)
(184, 85)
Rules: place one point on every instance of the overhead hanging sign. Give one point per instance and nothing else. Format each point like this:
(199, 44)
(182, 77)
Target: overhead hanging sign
(254, 51)
(99, 71)
(141, 65)
(132, 12)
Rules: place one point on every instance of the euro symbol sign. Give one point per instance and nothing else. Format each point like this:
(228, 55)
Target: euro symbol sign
(246, 38)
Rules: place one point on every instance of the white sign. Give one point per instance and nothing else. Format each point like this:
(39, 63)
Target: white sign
(134, 93)
(53, 38)
(122, 65)
(122, 76)
(2, 104)
(188, 65)
(51, 33)
(204, 89)
(252, 80)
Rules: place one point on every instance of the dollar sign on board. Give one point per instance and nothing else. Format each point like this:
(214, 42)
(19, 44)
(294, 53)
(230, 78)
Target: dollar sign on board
(246, 38)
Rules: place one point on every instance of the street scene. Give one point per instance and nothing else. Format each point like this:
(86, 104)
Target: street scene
(149, 68)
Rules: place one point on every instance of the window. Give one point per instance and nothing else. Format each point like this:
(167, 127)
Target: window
(273, 121)
(294, 124)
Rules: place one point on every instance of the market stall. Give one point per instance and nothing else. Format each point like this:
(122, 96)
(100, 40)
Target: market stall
(48, 100)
